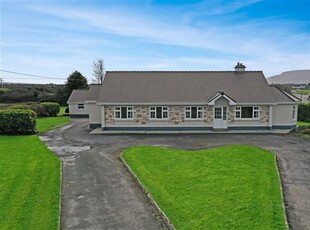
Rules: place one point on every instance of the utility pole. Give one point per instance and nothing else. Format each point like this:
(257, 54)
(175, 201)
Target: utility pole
(1, 80)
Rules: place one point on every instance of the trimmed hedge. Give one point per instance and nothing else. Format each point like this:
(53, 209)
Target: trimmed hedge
(37, 108)
(304, 112)
(51, 108)
(46, 109)
(17, 121)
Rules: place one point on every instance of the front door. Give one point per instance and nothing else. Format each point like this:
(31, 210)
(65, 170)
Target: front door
(220, 118)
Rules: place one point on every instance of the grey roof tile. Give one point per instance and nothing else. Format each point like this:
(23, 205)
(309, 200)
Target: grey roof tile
(186, 87)
(81, 95)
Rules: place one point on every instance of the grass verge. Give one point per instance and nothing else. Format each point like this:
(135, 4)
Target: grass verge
(46, 123)
(29, 182)
(231, 187)
(303, 123)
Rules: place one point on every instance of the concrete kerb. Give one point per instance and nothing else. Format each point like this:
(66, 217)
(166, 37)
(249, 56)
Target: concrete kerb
(282, 193)
(163, 216)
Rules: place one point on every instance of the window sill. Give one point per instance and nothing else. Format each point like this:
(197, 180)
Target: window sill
(246, 119)
(123, 119)
(193, 119)
(159, 119)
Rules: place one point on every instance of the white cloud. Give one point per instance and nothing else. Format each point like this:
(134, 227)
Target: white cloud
(260, 44)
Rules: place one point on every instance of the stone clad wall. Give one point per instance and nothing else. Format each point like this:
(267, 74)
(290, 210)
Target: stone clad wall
(109, 115)
(176, 114)
(231, 114)
(141, 115)
(264, 114)
(208, 114)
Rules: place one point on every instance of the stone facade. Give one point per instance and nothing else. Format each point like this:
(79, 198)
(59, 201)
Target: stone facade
(264, 114)
(176, 114)
(141, 115)
(231, 114)
(208, 114)
(109, 115)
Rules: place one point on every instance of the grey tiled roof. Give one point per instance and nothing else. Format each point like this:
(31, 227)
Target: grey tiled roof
(187, 87)
(79, 96)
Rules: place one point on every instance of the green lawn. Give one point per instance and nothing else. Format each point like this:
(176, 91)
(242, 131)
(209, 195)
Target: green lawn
(62, 109)
(303, 123)
(301, 91)
(29, 182)
(46, 123)
(231, 187)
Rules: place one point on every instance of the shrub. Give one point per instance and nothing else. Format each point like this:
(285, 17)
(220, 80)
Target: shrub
(304, 112)
(17, 121)
(52, 108)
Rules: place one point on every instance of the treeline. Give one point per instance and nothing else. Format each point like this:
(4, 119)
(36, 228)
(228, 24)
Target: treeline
(20, 93)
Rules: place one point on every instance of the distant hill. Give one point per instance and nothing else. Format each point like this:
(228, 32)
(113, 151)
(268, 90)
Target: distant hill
(291, 77)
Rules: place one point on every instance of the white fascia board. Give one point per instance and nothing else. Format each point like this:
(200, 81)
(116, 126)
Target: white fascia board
(254, 103)
(231, 102)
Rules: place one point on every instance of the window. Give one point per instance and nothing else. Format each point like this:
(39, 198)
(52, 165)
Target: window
(80, 106)
(123, 112)
(294, 113)
(247, 112)
(255, 112)
(193, 112)
(159, 112)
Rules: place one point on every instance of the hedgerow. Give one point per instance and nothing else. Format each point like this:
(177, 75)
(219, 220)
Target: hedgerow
(304, 112)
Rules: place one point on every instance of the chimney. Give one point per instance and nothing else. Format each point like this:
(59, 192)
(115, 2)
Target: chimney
(240, 67)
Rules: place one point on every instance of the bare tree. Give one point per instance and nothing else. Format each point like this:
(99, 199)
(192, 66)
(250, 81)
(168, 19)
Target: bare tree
(98, 71)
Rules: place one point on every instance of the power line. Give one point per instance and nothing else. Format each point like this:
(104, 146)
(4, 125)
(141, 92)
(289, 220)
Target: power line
(31, 75)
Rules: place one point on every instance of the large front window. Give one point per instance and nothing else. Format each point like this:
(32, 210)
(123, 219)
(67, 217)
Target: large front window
(158, 112)
(193, 112)
(247, 112)
(123, 112)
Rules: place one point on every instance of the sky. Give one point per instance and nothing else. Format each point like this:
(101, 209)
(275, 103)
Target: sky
(53, 38)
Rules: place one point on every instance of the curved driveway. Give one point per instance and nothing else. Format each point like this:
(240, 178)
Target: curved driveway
(98, 193)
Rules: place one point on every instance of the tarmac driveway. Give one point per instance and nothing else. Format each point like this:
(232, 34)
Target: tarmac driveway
(98, 193)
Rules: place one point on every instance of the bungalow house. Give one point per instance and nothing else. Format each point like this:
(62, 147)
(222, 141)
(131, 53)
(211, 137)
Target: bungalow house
(185, 101)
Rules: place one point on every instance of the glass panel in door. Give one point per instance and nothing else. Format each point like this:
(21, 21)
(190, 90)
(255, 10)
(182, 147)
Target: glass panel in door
(218, 113)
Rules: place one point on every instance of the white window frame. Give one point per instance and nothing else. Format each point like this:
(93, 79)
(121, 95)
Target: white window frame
(255, 113)
(294, 113)
(164, 110)
(80, 104)
(188, 111)
(118, 113)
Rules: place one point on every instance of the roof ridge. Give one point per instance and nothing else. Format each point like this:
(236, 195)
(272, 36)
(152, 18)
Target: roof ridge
(178, 71)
